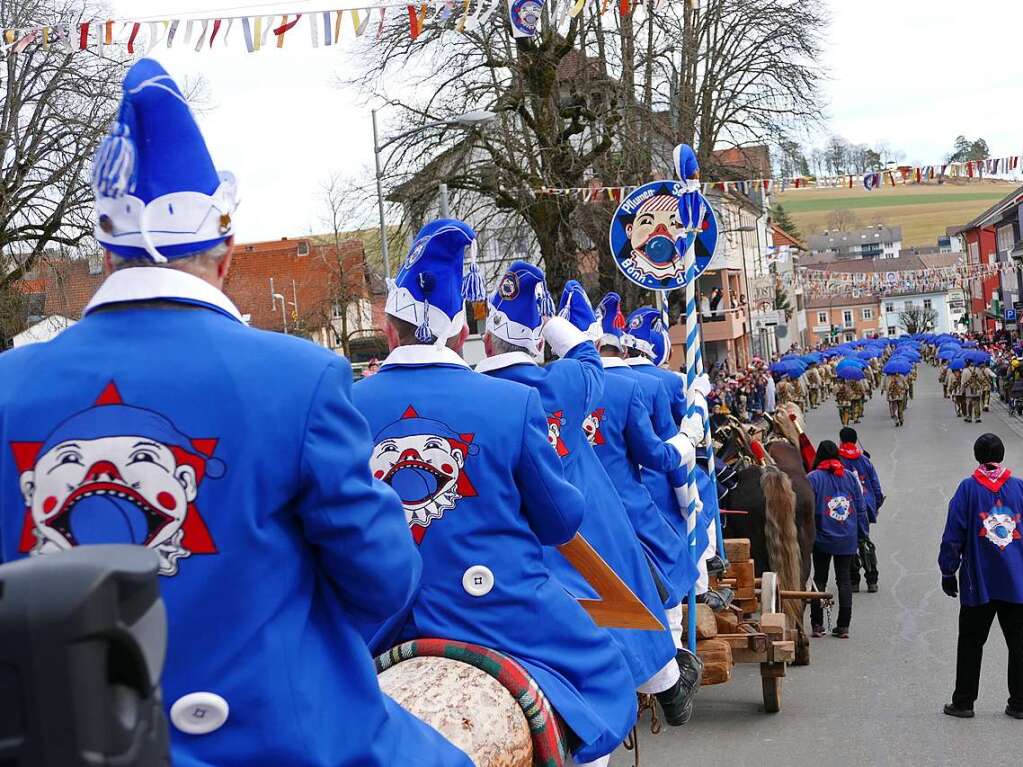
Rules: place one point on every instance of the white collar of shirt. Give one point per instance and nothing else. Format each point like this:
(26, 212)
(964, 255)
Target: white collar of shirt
(151, 283)
(423, 354)
(501, 361)
(637, 361)
(613, 362)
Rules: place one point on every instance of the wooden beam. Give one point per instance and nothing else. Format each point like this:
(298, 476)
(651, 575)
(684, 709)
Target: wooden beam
(618, 607)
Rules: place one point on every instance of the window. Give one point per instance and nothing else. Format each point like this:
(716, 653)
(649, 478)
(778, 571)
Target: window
(927, 303)
(889, 308)
(891, 330)
(974, 253)
(849, 337)
(822, 318)
(303, 248)
(868, 313)
(847, 319)
(1006, 238)
(908, 306)
(335, 311)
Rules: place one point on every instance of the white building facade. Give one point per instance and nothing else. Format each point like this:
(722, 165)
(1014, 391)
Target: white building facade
(948, 306)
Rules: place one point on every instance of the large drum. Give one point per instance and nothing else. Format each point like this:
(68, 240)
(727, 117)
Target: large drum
(480, 700)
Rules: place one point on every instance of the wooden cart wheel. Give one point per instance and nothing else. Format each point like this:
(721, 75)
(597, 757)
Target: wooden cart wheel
(772, 693)
(769, 601)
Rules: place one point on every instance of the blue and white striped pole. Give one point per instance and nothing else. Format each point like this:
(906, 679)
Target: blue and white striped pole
(692, 359)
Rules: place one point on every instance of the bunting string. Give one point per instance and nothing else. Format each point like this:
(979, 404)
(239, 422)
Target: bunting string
(870, 181)
(141, 34)
(822, 283)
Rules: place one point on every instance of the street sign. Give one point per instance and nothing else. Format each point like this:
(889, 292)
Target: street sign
(643, 237)
(1010, 315)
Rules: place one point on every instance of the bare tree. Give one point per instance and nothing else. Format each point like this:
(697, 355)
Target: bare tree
(57, 104)
(918, 319)
(843, 220)
(599, 98)
(344, 272)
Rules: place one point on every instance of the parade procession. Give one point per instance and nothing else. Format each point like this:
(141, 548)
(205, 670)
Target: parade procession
(655, 480)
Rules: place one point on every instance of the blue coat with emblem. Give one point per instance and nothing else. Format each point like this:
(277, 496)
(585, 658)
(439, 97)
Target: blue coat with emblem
(840, 512)
(484, 493)
(853, 459)
(623, 438)
(983, 540)
(661, 484)
(673, 383)
(569, 389)
(238, 457)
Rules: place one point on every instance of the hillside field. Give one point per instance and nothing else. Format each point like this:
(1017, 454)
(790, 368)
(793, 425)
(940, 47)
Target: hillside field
(924, 211)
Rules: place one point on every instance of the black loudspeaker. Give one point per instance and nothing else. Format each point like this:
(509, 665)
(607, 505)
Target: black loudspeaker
(83, 637)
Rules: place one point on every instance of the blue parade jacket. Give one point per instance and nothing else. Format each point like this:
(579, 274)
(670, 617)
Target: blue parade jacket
(569, 389)
(660, 484)
(237, 456)
(982, 540)
(839, 510)
(852, 458)
(623, 439)
(674, 385)
(484, 492)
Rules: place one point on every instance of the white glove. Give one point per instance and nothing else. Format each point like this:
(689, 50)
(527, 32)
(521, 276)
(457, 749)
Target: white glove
(692, 427)
(702, 385)
(685, 447)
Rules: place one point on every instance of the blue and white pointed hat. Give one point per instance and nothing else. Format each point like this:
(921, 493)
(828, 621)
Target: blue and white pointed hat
(643, 330)
(661, 343)
(158, 194)
(576, 308)
(429, 290)
(518, 307)
(612, 321)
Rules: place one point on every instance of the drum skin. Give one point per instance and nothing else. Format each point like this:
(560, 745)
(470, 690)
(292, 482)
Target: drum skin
(469, 707)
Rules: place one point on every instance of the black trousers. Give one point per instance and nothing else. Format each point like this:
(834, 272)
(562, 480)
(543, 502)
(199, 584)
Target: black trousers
(974, 626)
(866, 563)
(821, 568)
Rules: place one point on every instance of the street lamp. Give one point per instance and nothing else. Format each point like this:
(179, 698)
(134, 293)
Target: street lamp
(470, 120)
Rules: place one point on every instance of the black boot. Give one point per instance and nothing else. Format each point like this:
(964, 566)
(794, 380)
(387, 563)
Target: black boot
(1015, 713)
(717, 600)
(676, 705)
(959, 713)
(716, 565)
(856, 587)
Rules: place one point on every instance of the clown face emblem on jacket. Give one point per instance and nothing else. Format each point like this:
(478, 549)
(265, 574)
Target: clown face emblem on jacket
(555, 423)
(838, 508)
(423, 460)
(591, 427)
(116, 474)
(1000, 526)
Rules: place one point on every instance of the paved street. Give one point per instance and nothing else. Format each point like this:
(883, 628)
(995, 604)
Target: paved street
(876, 698)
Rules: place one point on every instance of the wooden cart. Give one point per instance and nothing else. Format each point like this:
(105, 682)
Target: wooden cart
(755, 630)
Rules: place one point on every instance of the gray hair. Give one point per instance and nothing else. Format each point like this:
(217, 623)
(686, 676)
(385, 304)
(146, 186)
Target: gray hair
(500, 346)
(203, 262)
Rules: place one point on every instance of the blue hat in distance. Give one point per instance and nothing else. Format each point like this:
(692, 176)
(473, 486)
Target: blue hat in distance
(428, 291)
(518, 307)
(612, 322)
(577, 309)
(644, 329)
(158, 194)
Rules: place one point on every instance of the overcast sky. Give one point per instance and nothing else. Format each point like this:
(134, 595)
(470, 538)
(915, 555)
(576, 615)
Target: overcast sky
(910, 73)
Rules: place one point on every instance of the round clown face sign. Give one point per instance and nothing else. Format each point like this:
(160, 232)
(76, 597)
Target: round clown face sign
(648, 241)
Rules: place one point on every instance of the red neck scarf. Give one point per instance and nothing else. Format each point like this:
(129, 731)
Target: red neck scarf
(833, 465)
(991, 476)
(850, 450)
